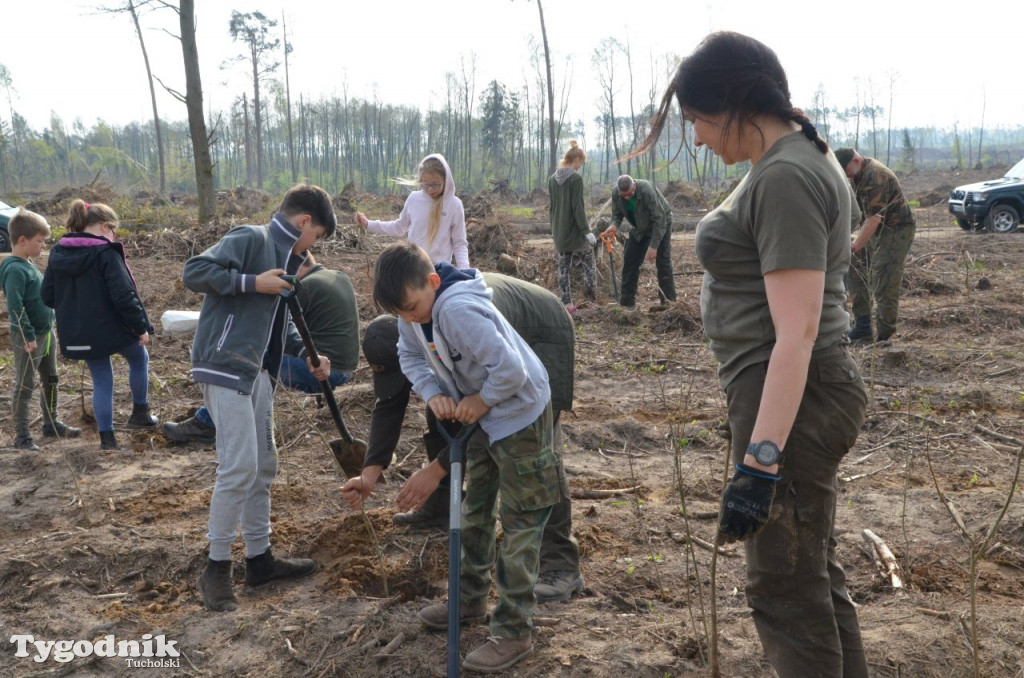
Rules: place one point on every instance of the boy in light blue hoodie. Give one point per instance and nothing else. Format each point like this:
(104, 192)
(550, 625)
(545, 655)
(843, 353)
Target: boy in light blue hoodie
(468, 364)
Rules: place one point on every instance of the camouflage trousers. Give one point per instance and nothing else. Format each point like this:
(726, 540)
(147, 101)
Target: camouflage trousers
(566, 260)
(521, 470)
(876, 273)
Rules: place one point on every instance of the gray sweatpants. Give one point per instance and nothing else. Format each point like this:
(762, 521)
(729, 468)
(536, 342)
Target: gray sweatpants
(246, 466)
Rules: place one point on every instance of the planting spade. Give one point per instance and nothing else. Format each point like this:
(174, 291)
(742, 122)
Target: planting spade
(348, 452)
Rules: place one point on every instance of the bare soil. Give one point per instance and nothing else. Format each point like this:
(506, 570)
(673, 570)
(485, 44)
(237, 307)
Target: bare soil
(95, 543)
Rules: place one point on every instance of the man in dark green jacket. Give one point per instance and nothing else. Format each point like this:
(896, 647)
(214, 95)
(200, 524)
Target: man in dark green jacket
(650, 215)
(539, 318)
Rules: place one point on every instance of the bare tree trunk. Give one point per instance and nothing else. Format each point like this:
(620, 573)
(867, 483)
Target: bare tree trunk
(288, 104)
(249, 164)
(552, 154)
(196, 121)
(305, 138)
(888, 133)
(632, 110)
(257, 119)
(469, 90)
(152, 96)
(981, 127)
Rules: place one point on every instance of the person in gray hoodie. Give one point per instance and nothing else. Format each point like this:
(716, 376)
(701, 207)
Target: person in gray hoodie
(242, 334)
(467, 363)
(573, 240)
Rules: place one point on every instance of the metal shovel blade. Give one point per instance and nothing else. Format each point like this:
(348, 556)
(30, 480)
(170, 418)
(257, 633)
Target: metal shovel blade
(349, 455)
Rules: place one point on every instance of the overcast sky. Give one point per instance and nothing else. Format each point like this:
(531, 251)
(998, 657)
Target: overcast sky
(65, 57)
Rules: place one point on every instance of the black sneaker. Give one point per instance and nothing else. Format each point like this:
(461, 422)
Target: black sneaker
(26, 443)
(60, 430)
(557, 585)
(433, 513)
(190, 430)
(265, 567)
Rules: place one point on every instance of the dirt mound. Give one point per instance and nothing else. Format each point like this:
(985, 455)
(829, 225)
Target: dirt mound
(501, 190)
(60, 202)
(682, 194)
(492, 241)
(538, 197)
(343, 201)
(677, 317)
(933, 197)
(242, 201)
(479, 206)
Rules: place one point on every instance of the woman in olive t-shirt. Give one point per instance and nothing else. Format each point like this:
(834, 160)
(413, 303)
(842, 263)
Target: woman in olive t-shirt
(774, 254)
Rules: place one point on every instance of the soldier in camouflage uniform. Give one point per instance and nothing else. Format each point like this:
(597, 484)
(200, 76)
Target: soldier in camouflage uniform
(881, 246)
(467, 363)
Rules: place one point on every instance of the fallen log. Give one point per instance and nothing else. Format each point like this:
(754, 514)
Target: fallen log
(583, 493)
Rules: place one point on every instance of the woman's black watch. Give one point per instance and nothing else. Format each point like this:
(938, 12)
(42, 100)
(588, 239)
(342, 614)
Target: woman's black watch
(765, 452)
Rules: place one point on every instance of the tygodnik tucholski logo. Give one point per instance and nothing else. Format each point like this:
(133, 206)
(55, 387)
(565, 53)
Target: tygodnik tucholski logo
(149, 652)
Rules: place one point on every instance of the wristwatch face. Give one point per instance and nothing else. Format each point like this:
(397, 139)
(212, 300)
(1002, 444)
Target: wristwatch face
(765, 452)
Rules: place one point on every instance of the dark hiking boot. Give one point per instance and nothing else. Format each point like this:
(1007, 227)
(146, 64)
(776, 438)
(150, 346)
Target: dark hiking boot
(108, 441)
(265, 567)
(861, 329)
(497, 654)
(215, 585)
(141, 418)
(190, 430)
(435, 617)
(433, 513)
(26, 443)
(884, 335)
(60, 430)
(557, 585)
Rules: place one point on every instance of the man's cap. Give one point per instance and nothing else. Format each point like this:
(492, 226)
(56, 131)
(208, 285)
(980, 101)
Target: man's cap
(844, 156)
(380, 348)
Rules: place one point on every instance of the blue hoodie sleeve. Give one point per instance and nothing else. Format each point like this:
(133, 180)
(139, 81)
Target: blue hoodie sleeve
(473, 331)
(415, 365)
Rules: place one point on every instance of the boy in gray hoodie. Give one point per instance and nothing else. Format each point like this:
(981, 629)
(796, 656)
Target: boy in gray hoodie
(243, 332)
(468, 364)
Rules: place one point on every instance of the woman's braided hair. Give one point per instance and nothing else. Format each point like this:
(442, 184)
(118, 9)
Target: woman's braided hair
(734, 74)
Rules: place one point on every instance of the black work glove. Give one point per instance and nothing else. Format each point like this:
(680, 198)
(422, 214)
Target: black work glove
(746, 504)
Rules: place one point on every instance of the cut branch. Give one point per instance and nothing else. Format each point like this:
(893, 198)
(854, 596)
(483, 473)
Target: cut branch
(884, 559)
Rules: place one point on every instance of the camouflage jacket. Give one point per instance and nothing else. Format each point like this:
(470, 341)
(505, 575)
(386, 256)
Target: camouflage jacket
(879, 192)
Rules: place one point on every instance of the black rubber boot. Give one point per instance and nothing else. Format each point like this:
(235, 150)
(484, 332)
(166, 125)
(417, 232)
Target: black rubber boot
(108, 441)
(141, 418)
(58, 429)
(265, 567)
(215, 585)
(861, 329)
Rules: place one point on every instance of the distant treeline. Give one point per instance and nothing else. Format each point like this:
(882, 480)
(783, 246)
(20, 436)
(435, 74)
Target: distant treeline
(499, 137)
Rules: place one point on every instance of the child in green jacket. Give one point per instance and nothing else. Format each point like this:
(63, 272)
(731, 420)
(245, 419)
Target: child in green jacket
(31, 330)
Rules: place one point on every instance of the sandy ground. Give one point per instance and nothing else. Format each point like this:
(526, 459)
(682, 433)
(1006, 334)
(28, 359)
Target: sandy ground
(95, 543)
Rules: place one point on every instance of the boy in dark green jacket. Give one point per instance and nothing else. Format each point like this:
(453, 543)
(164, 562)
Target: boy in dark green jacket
(650, 215)
(31, 330)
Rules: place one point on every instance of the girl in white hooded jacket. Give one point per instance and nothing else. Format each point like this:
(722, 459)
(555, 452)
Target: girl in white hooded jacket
(432, 217)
